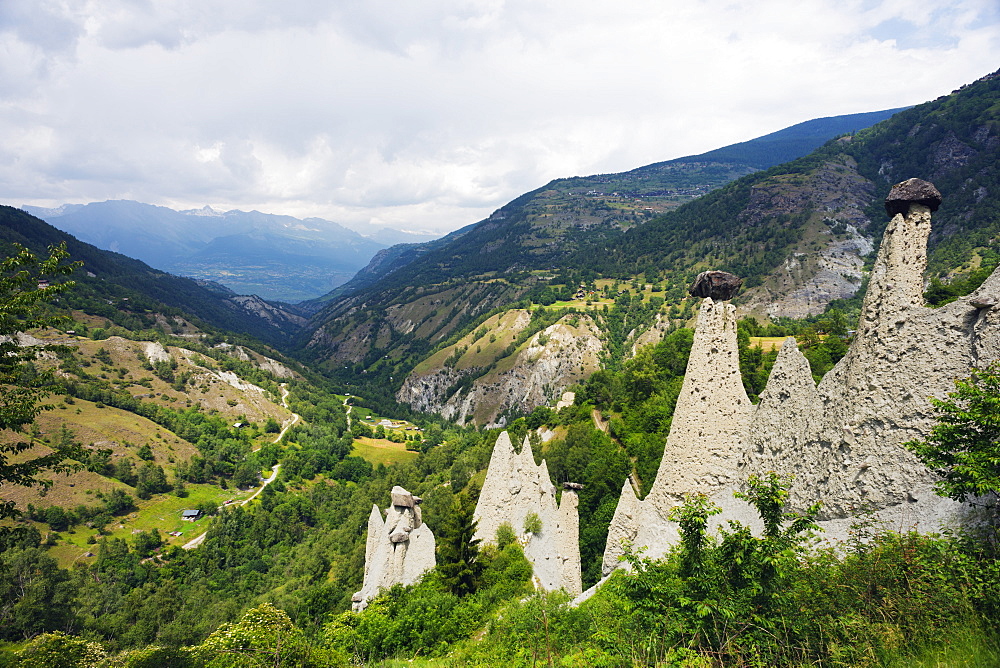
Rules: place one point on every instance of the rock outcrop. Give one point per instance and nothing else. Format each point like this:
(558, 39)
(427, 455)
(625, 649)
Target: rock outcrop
(399, 549)
(517, 489)
(841, 440)
(536, 375)
(712, 411)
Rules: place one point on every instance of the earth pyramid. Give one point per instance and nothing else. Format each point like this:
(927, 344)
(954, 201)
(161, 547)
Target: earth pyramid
(841, 441)
(517, 489)
(399, 549)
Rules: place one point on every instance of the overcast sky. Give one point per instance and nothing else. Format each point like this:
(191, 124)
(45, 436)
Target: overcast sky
(430, 114)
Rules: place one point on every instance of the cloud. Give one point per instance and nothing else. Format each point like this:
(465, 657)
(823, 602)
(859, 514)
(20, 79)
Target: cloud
(431, 114)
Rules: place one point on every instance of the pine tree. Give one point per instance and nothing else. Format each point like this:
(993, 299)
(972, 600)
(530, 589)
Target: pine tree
(458, 551)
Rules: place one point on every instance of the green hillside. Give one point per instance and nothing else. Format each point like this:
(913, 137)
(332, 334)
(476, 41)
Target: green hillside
(132, 286)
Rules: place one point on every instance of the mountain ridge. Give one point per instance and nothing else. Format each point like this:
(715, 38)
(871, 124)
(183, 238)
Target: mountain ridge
(283, 258)
(799, 233)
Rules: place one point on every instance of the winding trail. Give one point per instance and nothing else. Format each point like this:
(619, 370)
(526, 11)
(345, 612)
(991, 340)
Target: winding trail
(198, 540)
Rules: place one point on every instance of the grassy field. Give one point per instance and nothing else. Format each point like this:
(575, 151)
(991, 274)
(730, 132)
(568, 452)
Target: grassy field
(162, 512)
(382, 451)
(767, 342)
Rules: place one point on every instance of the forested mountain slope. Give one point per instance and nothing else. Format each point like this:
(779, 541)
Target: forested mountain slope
(497, 260)
(799, 234)
(112, 283)
(800, 231)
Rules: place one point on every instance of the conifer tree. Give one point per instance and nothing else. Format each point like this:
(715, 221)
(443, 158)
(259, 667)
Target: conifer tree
(458, 551)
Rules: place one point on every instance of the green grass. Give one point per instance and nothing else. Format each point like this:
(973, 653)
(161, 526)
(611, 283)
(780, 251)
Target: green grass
(965, 649)
(382, 451)
(162, 512)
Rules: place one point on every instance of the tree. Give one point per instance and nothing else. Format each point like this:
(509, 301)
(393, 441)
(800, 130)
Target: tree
(23, 292)
(58, 650)
(458, 551)
(35, 594)
(964, 446)
(263, 637)
(151, 480)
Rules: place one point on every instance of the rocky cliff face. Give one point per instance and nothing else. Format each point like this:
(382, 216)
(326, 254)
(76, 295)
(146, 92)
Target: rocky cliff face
(516, 489)
(828, 262)
(841, 440)
(535, 375)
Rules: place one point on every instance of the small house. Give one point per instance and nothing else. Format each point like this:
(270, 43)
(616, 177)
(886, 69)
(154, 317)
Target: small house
(190, 515)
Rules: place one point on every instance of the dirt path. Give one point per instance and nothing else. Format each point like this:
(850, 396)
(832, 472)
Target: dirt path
(198, 540)
(598, 422)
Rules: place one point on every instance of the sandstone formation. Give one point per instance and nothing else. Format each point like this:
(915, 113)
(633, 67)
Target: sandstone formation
(399, 549)
(516, 488)
(841, 440)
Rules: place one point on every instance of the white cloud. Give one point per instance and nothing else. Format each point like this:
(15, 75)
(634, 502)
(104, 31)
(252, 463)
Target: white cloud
(431, 114)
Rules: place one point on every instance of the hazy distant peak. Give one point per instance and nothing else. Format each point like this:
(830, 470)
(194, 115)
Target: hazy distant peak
(42, 212)
(206, 210)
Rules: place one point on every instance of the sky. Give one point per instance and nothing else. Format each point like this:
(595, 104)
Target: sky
(427, 115)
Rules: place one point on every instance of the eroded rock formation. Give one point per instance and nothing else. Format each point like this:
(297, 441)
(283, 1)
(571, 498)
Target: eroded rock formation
(553, 359)
(515, 489)
(841, 440)
(399, 549)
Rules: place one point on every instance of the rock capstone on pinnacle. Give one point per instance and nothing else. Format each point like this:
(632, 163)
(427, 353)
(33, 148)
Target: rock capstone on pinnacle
(719, 285)
(912, 191)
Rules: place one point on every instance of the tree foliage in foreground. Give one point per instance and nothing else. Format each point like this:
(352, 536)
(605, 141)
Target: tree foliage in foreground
(964, 446)
(24, 290)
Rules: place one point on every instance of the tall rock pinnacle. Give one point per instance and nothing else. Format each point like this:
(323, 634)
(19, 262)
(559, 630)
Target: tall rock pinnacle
(841, 441)
(516, 488)
(399, 550)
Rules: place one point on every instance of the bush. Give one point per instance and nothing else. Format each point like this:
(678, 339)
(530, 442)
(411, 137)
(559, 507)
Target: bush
(58, 650)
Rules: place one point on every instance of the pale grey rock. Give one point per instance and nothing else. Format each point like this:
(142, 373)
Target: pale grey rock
(271, 366)
(155, 352)
(566, 400)
(833, 272)
(568, 543)
(778, 435)
(623, 528)
(398, 549)
(712, 411)
(515, 488)
(400, 497)
(841, 442)
(653, 335)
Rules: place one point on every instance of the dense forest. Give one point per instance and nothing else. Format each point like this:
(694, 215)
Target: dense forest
(274, 578)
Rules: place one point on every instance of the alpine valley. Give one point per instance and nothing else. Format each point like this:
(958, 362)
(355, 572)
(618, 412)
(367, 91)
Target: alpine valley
(202, 426)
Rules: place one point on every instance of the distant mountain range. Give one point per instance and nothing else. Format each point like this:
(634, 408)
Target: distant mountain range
(272, 256)
(130, 292)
